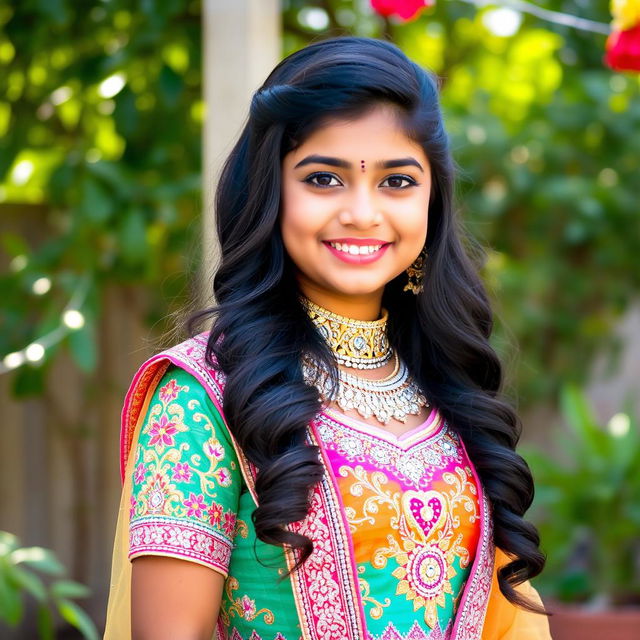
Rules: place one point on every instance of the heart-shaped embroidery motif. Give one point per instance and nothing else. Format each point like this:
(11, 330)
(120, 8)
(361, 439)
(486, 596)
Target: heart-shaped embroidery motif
(425, 511)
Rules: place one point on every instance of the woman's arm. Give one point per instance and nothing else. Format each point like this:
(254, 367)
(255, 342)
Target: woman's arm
(173, 599)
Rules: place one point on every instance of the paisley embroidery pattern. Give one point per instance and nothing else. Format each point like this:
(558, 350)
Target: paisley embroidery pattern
(244, 606)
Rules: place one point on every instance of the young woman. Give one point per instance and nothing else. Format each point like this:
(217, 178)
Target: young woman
(332, 459)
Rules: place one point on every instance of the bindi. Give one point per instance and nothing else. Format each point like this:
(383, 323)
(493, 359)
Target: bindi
(362, 166)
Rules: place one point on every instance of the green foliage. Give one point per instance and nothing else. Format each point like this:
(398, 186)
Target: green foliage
(100, 124)
(588, 506)
(20, 569)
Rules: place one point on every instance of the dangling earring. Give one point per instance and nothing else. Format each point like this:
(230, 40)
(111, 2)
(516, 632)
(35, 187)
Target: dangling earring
(415, 274)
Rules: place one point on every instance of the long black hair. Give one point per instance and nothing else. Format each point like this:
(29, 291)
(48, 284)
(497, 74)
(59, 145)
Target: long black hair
(260, 328)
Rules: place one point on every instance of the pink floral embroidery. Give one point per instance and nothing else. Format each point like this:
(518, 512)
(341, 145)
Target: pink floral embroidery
(223, 476)
(195, 505)
(162, 432)
(248, 607)
(140, 474)
(215, 514)
(132, 506)
(214, 449)
(229, 523)
(170, 391)
(182, 472)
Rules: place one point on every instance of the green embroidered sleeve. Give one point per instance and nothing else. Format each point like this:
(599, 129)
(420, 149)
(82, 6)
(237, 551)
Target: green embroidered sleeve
(186, 478)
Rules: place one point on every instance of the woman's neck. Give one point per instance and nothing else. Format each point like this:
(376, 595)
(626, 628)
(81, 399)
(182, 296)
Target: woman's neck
(358, 307)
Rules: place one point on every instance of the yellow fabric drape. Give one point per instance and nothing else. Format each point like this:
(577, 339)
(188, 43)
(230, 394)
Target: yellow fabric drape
(118, 625)
(505, 621)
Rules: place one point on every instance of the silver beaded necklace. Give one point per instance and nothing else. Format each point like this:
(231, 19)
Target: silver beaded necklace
(394, 397)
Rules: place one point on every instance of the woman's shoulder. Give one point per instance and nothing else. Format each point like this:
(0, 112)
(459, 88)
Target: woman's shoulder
(184, 400)
(197, 378)
(192, 352)
(193, 357)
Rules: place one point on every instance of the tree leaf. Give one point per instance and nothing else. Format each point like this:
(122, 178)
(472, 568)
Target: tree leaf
(45, 623)
(38, 558)
(170, 84)
(132, 237)
(96, 203)
(8, 542)
(14, 244)
(69, 589)
(77, 617)
(28, 381)
(11, 605)
(83, 347)
(30, 583)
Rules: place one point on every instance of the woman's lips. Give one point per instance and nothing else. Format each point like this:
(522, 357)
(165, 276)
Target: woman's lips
(357, 251)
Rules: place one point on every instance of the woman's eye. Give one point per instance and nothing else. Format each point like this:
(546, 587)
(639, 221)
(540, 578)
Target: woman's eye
(323, 180)
(395, 182)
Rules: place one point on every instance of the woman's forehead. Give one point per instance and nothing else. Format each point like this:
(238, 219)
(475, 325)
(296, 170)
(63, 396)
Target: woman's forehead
(377, 131)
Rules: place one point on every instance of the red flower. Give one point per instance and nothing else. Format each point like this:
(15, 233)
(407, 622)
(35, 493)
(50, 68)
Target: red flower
(405, 9)
(229, 523)
(170, 391)
(623, 50)
(215, 513)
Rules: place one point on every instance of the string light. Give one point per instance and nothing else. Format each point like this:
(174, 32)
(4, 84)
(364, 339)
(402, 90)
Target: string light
(41, 286)
(13, 360)
(112, 85)
(619, 425)
(34, 352)
(72, 319)
(18, 263)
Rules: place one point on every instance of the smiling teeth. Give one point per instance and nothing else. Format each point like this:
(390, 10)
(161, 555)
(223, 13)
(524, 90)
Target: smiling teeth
(354, 249)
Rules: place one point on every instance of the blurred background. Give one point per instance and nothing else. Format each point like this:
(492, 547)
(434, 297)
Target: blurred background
(114, 118)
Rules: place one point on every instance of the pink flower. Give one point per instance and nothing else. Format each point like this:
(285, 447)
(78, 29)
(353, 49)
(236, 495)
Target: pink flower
(182, 472)
(229, 523)
(162, 431)
(404, 9)
(248, 607)
(139, 474)
(215, 514)
(195, 505)
(132, 506)
(214, 449)
(623, 50)
(223, 476)
(169, 392)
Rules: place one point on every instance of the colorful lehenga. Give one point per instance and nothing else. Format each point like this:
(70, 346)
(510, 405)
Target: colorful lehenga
(401, 528)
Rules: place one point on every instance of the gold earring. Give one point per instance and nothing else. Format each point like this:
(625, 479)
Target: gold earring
(415, 274)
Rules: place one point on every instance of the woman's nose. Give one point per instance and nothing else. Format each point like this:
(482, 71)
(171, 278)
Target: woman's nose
(360, 211)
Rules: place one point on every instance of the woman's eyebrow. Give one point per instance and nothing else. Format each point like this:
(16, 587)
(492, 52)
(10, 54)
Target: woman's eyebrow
(344, 164)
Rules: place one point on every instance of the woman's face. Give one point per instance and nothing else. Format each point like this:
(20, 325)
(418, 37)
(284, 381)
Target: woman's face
(354, 210)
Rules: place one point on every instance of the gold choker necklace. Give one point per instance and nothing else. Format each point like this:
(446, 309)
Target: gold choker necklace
(360, 344)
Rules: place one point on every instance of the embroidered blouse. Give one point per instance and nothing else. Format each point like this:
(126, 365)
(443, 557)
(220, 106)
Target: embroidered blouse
(409, 504)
